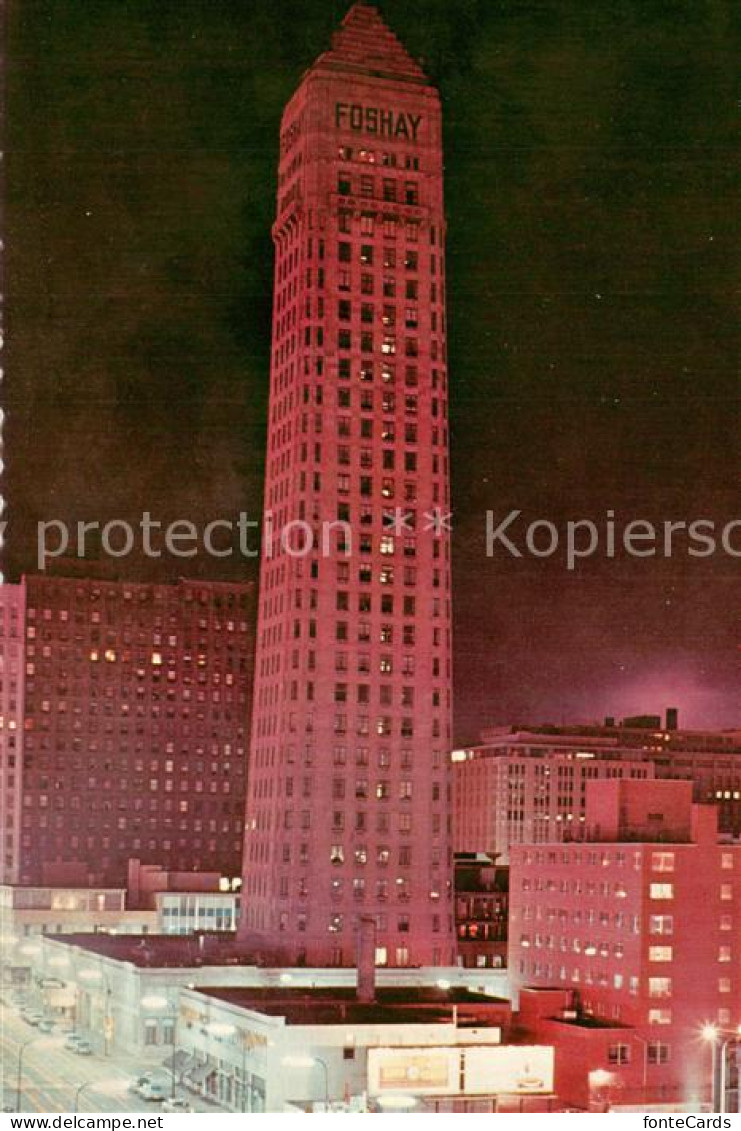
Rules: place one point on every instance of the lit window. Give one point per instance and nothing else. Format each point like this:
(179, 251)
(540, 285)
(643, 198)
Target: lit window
(659, 987)
(662, 861)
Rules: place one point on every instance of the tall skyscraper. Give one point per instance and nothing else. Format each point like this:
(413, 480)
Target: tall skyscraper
(124, 727)
(349, 787)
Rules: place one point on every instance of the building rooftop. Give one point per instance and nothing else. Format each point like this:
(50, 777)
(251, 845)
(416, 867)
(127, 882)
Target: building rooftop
(173, 951)
(366, 45)
(587, 1021)
(397, 1005)
(628, 736)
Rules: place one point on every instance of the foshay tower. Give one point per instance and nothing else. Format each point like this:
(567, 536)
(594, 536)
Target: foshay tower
(348, 810)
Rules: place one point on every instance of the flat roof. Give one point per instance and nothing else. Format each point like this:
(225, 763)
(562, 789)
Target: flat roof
(587, 1021)
(396, 1005)
(152, 951)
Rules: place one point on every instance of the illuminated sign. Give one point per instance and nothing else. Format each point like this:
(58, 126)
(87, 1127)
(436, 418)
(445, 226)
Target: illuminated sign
(468, 1070)
(373, 120)
(426, 1071)
(514, 1069)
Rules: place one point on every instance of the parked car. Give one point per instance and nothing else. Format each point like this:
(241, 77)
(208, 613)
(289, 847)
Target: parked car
(139, 1082)
(31, 1018)
(154, 1091)
(83, 1048)
(46, 1025)
(177, 1103)
(72, 1041)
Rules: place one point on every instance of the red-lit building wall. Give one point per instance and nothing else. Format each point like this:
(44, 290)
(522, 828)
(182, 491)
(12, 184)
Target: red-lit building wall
(644, 934)
(135, 723)
(349, 793)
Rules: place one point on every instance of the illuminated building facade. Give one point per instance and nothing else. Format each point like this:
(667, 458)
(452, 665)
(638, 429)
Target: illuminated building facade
(521, 791)
(349, 790)
(529, 785)
(134, 714)
(641, 923)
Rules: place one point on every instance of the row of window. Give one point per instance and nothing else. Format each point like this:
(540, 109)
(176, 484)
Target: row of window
(390, 189)
(382, 157)
(360, 820)
(371, 224)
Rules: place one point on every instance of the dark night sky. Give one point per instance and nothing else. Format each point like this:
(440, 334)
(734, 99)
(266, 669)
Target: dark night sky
(592, 187)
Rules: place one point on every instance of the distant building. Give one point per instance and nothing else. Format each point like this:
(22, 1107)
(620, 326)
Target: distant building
(184, 902)
(145, 881)
(29, 914)
(349, 789)
(183, 913)
(526, 788)
(529, 784)
(481, 910)
(638, 926)
(179, 907)
(134, 723)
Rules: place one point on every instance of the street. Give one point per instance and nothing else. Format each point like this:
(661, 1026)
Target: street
(52, 1075)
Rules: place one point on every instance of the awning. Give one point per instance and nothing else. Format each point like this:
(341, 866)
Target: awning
(200, 1073)
(179, 1062)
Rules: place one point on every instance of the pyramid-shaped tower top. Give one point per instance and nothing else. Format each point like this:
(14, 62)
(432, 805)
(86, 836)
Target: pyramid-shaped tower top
(366, 45)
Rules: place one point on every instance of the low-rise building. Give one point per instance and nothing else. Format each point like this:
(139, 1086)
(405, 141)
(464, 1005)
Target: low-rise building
(183, 912)
(29, 913)
(185, 902)
(312, 1049)
(640, 925)
(122, 991)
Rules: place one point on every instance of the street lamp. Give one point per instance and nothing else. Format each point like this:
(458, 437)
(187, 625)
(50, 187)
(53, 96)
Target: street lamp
(46, 1042)
(113, 1087)
(310, 1062)
(711, 1033)
(78, 1093)
(91, 974)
